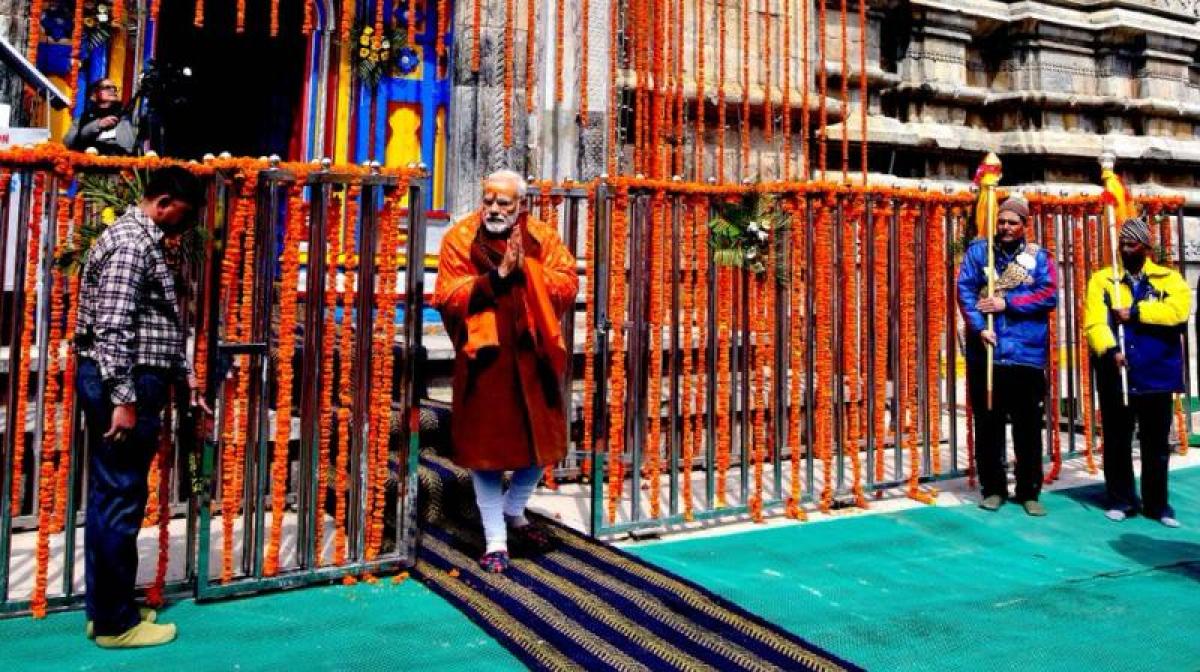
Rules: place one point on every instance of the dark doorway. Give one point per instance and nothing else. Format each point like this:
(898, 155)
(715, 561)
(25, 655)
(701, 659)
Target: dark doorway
(245, 89)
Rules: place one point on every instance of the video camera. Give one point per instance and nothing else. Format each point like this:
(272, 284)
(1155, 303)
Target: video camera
(163, 86)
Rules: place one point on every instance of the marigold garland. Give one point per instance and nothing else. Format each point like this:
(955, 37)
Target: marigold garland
(68, 386)
(756, 411)
(293, 232)
(306, 27)
(851, 343)
(935, 306)
(230, 495)
(805, 82)
(118, 12)
(589, 342)
(329, 394)
(843, 24)
(796, 343)
(1085, 374)
(822, 270)
(476, 19)
(616, 313)
(442, 30)
(882, 216)
(240, 24)
(909, 405)
(346, 18)
(585, 31)
(274, 19)
(724, 300)
(166, 450)
(822, 89)
(154, 7)
(767, 64)
(198, 16)
(687, 358)
(1050, 240)
(381, 392)
(744, 130)
(35, 30)
(76, 47)
(786, 84)
(863, 92)
(531, 55)
(1181, 426)
(33, 241)
(614, 25)
(721, 111)
(653, 454)
(345, 381)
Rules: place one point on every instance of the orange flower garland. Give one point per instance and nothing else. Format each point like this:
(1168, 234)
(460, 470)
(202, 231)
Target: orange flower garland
(935, 307)
(744, 37)
(687, 358)
(796, 342)
(35, 30)
(850, 344)
(476, 18)
(1085, 375)
(559, 20)
(699, 141)
(510, 13)
(584, 33)
(881, 218)
(721, 111)
(345, 381)
(154, 6)
(804, 86)
(275, 16)
(589, 341)
(76, 47)
(768, 108)
(822, 270)
(443, 27)
(346, 18)
(909, 406)
(845, 63)
(1181, 426)
(166, 450)
(230, 496)
(787, 91)
(27, 334)
(198, 16)
(822, 90)
(531, 55)
(68, 387)
(757, 410)
(613, 119)
(653, 454)
(240, 25)
(1050, 240)
(616, 315)
(724, 300)
(306, 27)
(864, 92)
(293, 232)
(328, 337)
(118, 12)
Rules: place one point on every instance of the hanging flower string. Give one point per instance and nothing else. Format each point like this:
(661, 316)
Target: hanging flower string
(616, 314)
(166, 450)
(844, 59)
(68, 386)
(796, 342)
(687, 359)
(822, 270)
(1050, 241)
(850, 343)
(77, 47)
(1080, 269)
(346, 382)
(284, 377)
(328, 339)
(935, 307)
(721, 111)
(881, 218)
(653, 453)
(531, 55)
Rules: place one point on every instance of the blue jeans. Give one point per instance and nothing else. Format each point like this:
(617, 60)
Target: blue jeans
(117, 492)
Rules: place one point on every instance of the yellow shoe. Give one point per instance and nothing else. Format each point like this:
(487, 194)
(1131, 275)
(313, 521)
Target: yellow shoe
(141, 635)
(147, 615)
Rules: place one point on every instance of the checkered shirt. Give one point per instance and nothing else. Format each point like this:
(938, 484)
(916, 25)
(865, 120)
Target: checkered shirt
(128, 311)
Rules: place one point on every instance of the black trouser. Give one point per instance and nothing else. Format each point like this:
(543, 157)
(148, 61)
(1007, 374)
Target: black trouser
(1018, 397)
(117, 493)
(1152, 413)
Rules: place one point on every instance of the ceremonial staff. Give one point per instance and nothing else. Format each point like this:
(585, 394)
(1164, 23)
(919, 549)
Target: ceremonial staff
(987, 177)
(1115, 203)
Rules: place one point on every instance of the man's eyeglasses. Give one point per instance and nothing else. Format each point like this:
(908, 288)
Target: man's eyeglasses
(108, 87)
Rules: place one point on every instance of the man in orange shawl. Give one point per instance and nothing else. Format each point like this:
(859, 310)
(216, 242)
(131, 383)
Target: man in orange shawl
(504, 281)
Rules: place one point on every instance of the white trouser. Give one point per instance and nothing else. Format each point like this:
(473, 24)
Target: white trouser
(495, 504)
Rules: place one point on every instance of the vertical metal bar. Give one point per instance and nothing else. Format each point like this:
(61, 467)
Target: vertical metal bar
(602, 327)
(922, 336)
(201, 500)
(950, 231)
(637, 329)
(779, 367)
(744, 386)
(42, 332)
(414, 297)
(14, 424)
(310, 498)
(360, 438)
(675, 409)
(571, 240)
(871, 298)
(1187, 349)
(262, 370)
(1069, 326)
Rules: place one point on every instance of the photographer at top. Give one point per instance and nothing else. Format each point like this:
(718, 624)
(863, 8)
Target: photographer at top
(105, 123)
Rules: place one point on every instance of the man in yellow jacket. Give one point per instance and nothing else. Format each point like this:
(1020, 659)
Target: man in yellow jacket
(1152, 303)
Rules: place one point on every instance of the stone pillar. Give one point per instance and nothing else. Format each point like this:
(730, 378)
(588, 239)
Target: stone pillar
(477, 102)
(14, 27)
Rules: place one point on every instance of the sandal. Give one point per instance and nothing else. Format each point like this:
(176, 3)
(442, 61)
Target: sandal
(495, 562)
(532, 537)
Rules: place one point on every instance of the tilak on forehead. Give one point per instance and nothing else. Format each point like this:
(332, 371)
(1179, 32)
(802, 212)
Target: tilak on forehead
(499, 186)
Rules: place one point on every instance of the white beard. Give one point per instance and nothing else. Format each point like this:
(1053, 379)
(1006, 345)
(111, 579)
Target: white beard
(501, 227)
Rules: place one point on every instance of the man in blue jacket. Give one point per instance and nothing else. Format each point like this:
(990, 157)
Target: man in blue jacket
(1026, 294)
(1152, 303)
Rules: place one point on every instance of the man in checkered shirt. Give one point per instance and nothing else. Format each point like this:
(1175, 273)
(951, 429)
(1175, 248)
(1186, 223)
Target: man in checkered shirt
(130, 340)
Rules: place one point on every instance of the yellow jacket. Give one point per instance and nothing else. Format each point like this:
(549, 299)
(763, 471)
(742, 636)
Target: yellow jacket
(1159, 309)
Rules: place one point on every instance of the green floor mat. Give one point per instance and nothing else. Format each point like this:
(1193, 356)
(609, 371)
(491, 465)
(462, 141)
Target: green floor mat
(382, 627)
(957, 588)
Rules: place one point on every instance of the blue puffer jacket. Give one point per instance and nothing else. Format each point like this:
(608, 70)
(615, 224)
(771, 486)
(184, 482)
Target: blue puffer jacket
(1023, 329)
